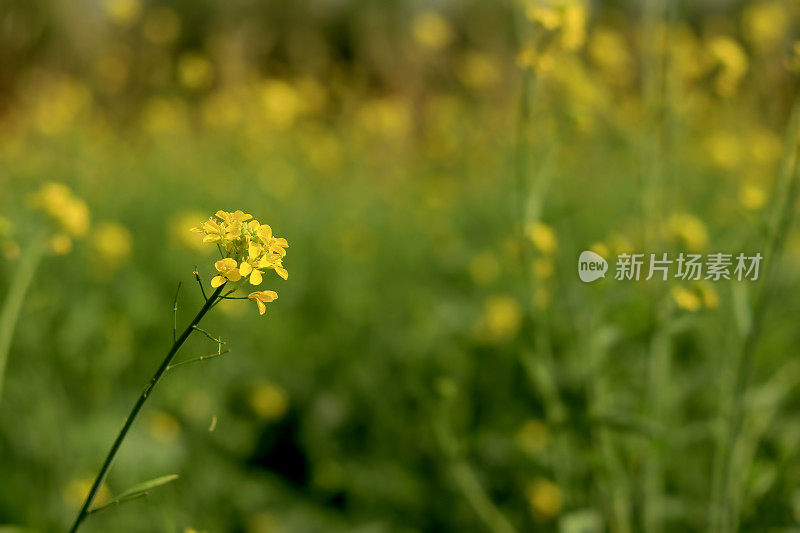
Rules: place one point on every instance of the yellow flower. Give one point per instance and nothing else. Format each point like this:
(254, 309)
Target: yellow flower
(269, 401)
(545, 499)
(686, 299)
(546, 16)
(58, 202)
(228, 271)
(543, 237)
(247, 268)
(271, 244)
(752, 197)
(688, 229)
(123, 12)
(249, 248)
(765, 24)
(733, 64)
(261, 298)
(274, 261)
(431, 30)
(60, 244)
(77, 489)
(501, 319)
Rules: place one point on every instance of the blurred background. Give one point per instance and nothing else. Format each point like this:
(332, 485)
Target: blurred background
(433, 362)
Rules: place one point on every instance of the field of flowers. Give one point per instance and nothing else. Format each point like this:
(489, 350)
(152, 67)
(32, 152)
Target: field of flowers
(432, 361)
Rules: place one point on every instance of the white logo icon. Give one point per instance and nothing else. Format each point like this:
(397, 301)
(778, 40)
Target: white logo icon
(591, 266)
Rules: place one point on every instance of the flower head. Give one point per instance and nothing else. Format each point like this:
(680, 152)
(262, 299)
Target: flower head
(248, 249)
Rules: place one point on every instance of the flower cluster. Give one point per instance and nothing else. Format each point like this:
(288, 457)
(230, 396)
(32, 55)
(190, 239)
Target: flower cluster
(248, 249)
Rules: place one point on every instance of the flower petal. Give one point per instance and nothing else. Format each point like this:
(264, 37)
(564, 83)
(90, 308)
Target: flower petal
(217, 281)
(282, 272)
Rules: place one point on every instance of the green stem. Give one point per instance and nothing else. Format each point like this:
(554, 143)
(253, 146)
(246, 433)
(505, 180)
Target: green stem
(20, 283)
(86, 509)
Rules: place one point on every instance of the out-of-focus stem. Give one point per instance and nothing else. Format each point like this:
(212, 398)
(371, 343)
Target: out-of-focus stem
(24, 273)
(725, 501)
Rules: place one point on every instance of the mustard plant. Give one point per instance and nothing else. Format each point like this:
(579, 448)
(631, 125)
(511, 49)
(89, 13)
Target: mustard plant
(247, 249)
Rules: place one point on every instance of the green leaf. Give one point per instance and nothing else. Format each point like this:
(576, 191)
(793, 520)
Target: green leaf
(137, 491)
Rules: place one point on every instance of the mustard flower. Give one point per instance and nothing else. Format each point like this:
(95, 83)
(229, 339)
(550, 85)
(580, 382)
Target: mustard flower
(248, 249)
(228, 271)
(248, 267)
(261, 298)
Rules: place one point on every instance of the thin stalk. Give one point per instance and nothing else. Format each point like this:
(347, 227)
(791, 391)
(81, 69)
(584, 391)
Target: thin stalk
(86, 509)
(20, 283)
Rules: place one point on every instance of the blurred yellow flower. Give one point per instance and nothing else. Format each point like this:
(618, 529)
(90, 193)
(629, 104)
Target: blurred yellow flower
(76, 491)
(570, 16)
(60, 244)
(545, 499)
(280, 102)
(123, 12)
(732, 61)
(545, 15)
(502, 317)
(601, 249)
(431, 30)
(686, 299)
(269, 401)
(112, 244)
(58, 202)
(752, 197)
(195, 71)
(765, 23)
(609, 51)
(543, 237)
(689, 229)
(573, 32)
